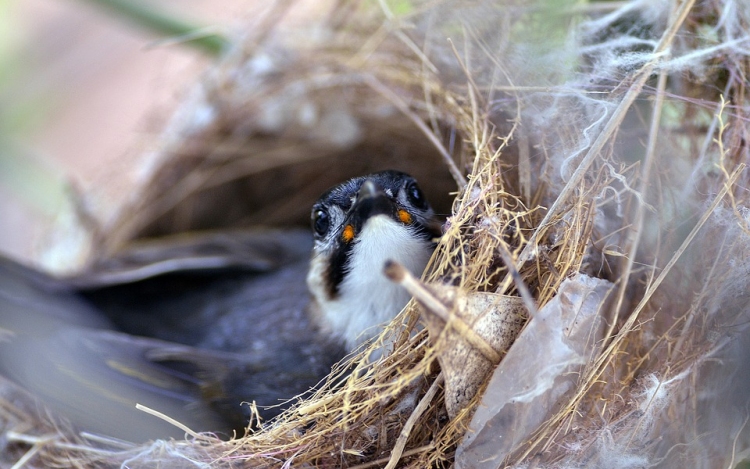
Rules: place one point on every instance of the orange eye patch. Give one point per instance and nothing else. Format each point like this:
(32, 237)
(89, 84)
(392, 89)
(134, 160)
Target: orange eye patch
(348, 233)
(404, 216)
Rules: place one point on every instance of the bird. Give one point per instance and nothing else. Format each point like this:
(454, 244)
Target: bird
(195, 332)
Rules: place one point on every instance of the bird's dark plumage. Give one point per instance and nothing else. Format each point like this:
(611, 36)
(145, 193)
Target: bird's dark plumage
(190, 344)
(192, 327)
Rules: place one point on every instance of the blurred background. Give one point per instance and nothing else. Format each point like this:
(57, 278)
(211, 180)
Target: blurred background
(85, 88)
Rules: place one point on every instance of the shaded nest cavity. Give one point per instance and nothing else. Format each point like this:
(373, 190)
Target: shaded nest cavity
(597, 155)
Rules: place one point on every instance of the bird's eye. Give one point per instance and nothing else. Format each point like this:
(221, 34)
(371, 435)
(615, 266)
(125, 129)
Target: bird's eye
(415, 196)
(321, 222)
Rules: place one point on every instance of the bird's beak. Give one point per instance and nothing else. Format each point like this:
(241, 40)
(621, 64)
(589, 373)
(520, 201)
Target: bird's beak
(368, 189)
(371, 201)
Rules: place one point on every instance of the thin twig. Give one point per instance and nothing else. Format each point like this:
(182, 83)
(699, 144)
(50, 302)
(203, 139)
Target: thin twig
(403, 437)
(734, 443)
(634, 234)
(397, 273)
(386, 92)
(169, 419)
(381, 461)
(27, 456)
(13, 436)
(523, 290)
(641, 76)
(609, 353)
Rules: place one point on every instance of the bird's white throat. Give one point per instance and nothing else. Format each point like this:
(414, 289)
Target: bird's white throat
(367, 299)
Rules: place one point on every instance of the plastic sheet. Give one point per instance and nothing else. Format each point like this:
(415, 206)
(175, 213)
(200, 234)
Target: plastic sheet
(540, 369)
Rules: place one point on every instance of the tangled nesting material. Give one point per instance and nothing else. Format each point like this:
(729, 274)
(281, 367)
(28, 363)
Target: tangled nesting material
(609, 143)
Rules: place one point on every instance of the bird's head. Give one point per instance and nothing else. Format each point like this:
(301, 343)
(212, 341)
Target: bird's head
(358, 226)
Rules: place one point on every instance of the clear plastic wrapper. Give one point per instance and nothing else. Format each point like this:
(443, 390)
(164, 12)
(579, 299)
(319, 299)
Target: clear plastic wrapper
(540, 368)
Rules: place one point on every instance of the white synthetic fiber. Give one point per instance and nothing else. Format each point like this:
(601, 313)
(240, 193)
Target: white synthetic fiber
(686, 404)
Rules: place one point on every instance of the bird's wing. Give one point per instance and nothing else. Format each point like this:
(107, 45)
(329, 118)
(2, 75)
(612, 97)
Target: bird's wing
(254, 250)
(186, 304)
(61, 348)
(94, 379)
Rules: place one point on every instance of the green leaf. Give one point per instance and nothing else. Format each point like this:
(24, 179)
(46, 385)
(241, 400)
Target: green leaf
(166, 24)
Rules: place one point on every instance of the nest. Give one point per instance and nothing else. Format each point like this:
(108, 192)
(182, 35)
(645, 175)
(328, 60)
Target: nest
(594, 150)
